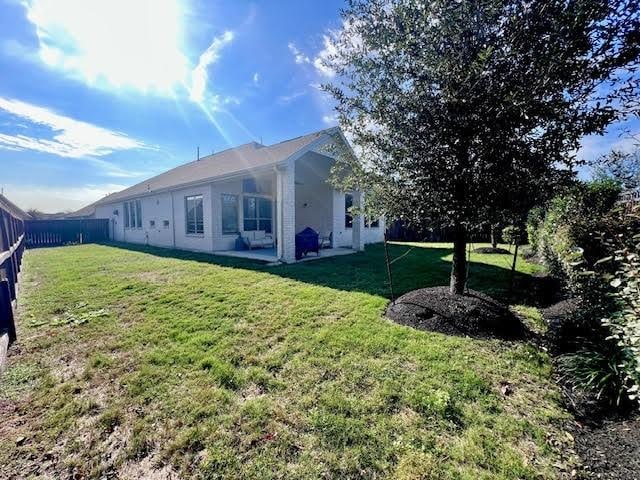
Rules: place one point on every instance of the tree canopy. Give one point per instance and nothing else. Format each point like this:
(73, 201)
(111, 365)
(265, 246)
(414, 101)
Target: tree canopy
(460, 109)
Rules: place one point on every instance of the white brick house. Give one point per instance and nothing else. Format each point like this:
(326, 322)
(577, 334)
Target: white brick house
(251, 190)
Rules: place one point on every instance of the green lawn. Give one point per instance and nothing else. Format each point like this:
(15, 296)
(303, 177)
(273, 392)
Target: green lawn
(133, 360)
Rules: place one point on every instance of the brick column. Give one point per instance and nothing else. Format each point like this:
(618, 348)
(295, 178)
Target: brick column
(358, 223)
(286, 213)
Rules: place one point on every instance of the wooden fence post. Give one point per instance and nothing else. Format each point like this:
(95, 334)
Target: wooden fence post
(6, 310)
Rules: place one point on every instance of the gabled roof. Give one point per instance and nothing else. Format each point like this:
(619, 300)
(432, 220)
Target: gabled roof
(84, 212)
(245, 158)
(13, 209)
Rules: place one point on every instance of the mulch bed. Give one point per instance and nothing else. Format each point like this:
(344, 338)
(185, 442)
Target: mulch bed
(607, 441)
(491, 250)
(609, 450)
(473, 314)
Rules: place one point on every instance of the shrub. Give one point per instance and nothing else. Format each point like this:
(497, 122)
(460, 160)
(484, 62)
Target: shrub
(596, 368)
(592, 245)
(534, 222)
(566, 239)
(513, 235)
(624, 323)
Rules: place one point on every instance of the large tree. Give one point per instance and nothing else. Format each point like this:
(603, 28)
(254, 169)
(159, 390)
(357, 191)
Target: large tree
(462, 108)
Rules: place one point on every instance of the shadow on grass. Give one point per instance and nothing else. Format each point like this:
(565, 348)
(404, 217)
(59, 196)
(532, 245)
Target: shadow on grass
(366, 271)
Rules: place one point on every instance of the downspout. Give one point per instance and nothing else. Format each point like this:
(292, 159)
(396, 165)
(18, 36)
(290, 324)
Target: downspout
(173, 223)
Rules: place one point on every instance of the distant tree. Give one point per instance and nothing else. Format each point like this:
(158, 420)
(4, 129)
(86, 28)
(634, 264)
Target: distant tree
(624, 167)
(462, 108)
(34, 213)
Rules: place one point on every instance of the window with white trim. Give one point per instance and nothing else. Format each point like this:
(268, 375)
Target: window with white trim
(229, 214)
(257, 213)
(133, 214)
(194, 215)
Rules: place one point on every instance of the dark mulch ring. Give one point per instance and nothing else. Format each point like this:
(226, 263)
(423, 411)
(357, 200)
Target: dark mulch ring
(473, 314)
(490, 250)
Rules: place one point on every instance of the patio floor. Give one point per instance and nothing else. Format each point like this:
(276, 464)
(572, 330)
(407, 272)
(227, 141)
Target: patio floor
(270, 254)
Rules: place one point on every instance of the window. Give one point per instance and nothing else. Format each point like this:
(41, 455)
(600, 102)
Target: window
(252, 185)
(165, 223)
(371, 223)
(348, 218)
(138, 214)
(229, 214)
(126, 214)
(194, 215)
(133, 214)
(152, 223)
(257, 214)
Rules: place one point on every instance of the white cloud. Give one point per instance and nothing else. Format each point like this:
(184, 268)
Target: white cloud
(298, 56)
(256, 78)
(286, 99)
(330, 119)
(594, 146)
(329, 51)
(70, 138)
(57, 199)
(119, 42)
(199, 76)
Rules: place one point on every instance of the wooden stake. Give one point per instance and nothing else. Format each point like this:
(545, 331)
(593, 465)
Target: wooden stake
(386, 257)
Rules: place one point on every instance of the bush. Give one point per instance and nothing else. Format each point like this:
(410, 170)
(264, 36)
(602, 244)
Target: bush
(592, 245)
(624, 323)
(534, 221)
(513, 235)
(566, 239)
(597, 369)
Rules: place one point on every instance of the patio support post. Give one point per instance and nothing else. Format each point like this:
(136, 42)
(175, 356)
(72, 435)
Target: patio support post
(286, 213)
(358, 223)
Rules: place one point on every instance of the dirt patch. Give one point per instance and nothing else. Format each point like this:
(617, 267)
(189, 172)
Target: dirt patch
(609, 450)
(491, 250)
(472, 314)
(146, 468)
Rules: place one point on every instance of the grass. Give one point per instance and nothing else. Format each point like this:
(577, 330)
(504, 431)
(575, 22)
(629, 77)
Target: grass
(138, 359)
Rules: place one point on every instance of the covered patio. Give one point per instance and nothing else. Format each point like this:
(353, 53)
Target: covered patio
(284, 201)
(270, 255)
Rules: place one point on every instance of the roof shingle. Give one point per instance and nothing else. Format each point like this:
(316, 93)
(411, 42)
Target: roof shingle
(246, 157)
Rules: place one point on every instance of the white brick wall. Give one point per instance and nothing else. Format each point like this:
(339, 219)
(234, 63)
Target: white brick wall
(324, 212)
(286, 213)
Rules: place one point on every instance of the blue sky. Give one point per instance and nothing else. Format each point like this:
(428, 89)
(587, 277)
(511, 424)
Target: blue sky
(96, 96)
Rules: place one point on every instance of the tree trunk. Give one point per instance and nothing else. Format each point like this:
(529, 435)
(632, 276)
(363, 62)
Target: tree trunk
(459, 264)
(494, 238)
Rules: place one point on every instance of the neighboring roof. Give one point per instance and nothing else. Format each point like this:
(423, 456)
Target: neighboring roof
(87, 211)
(247, 157)
(13, 209)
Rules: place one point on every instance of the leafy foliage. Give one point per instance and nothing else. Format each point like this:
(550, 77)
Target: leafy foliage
(461, 109)
(513, 235)
(597, 369)
(621, 166)
(534, 222)
(624, 323)
(566, 238)
(594, 244)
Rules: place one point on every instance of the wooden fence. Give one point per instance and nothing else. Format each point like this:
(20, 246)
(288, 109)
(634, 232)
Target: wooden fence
(12, 246)
(399, 232)
(50, 233)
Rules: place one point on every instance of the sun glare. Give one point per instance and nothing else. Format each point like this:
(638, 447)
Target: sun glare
(119, 42)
